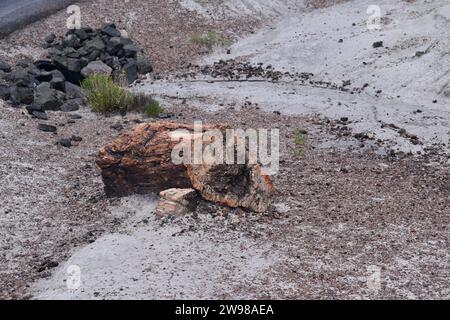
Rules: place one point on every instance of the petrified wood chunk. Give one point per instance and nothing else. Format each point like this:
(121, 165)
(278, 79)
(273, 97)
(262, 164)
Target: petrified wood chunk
(140, 161)
(236, 185)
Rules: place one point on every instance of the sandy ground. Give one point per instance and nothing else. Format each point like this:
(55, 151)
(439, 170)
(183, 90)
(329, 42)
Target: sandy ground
(345, 207)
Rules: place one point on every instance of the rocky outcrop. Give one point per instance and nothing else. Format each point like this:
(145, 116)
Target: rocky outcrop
(140, 161)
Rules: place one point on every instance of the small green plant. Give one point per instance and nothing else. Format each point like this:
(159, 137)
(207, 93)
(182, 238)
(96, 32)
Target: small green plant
(153, 109)
(106, 96)
(209, 40)
(300, 139)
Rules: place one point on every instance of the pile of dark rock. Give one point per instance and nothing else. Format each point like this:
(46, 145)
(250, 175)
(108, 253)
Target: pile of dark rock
(54, 83)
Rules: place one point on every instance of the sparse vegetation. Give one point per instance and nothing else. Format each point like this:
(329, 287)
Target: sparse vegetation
(153, 109)
(106, 96)
(300, 139)
(210, 39)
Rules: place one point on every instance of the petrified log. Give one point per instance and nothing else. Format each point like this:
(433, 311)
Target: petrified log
(140, 161)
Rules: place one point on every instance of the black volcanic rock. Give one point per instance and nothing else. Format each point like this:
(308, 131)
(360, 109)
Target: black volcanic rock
(5, 66)
(46, 127)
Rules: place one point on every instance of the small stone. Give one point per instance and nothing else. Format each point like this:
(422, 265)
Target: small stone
(176, 202)
(21, 95)
(58, 80)
(46, 127)
(5, 93)
(377, 44)
(114, 45)
(33, 107)
(50, 38)
(96, 45)
(75, 116)
(5, 67)
(47, 97)
(111, 30)
(131, 71)
(73, 91)
(74, 64)
(117, 126)
(420, 53)
(130, 50)
(76, 138)
(71, 105)
(96, 67)
(39, 115)
(143, 64)
(65, 142)
(346, 83)
(345, 170)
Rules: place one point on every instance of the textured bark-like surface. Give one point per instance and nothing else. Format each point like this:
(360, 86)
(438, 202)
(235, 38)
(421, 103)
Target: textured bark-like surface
(139, 161)
(237, 185)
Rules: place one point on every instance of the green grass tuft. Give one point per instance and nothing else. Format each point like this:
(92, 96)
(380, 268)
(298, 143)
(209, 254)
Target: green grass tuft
(210, 39)
(106, 96)
(153, 109)
(300, 139)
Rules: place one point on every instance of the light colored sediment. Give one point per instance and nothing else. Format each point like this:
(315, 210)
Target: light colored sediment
(399, 82)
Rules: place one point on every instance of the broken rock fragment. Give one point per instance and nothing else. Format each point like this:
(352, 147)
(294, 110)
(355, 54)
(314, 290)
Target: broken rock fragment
(176, 202)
